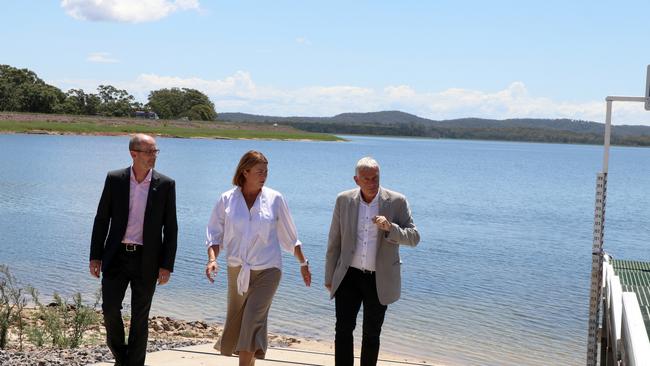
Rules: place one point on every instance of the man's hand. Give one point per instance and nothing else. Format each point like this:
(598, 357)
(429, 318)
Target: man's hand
(95, 267)
(163, 276)
(382, 223)
(328, 286)
(211, 269)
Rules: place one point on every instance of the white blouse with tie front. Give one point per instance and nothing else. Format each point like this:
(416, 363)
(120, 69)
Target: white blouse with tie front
(252, 238)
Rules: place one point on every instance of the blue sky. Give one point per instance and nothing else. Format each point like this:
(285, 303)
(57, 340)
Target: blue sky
(435, 59)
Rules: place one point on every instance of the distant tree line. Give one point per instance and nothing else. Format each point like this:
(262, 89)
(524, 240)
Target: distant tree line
(21, 90)
(527, 134)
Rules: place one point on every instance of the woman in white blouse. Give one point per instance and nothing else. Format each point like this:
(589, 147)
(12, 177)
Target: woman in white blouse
(251, 224)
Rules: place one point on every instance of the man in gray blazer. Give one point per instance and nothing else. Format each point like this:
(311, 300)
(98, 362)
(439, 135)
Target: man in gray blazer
(363, 264)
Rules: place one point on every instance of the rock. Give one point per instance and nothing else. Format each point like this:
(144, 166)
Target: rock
(157, 326)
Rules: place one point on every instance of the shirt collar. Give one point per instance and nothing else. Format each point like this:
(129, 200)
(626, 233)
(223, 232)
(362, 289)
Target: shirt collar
(374, 200)
(147, 179)
(261, 198)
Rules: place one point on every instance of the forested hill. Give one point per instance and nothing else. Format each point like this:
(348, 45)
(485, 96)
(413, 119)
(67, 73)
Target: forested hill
(398, 123)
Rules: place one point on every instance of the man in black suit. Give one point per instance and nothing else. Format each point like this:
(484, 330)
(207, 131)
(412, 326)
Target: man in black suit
(133, 242)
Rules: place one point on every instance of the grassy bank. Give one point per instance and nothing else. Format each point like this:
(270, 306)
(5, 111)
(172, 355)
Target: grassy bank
(80, 125)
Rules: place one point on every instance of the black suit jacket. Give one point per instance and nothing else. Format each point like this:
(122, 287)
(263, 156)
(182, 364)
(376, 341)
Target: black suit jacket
(160, 225)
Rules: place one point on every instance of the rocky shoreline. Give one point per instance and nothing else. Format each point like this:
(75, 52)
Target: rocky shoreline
(164, 333)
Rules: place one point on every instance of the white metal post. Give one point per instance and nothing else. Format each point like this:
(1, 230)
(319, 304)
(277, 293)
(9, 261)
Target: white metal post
(608, 134)
(647, 90)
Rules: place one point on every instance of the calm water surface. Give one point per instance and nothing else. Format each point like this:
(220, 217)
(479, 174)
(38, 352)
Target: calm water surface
(501, 276)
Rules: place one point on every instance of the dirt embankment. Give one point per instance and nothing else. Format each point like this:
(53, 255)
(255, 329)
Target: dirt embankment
(119, 121)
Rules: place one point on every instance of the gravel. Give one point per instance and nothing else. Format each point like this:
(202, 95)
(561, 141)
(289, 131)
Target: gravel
(46, 356)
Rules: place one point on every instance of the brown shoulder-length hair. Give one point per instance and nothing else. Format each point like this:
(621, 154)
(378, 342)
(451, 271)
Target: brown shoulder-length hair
(249, 160)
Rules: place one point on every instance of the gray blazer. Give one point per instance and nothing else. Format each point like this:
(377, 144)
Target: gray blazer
(343, 241)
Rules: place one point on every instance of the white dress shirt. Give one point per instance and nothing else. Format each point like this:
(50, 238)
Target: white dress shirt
(252, 238)
(366, 252)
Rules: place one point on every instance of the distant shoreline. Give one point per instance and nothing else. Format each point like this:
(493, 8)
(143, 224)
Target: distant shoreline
(288, 129)
(59, 124)
(397, 123)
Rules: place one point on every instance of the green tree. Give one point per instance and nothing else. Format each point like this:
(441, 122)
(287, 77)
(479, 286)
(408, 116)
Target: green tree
(167, 103)
(79, 102)
(115, 102)
(22, 91)
(201, 112)
(176, 103)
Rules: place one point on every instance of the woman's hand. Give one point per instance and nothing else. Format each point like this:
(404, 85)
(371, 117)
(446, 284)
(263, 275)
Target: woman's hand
(306, 275)
(211, 269)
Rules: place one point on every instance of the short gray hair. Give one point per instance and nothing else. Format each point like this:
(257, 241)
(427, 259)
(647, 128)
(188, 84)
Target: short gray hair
(137, 140)
(366, 163)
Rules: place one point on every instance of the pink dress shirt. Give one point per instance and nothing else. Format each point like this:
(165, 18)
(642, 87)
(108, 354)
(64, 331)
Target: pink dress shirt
(138, 194)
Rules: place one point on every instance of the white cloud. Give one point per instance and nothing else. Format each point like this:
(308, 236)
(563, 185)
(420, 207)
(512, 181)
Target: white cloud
(239, 93)
(303, 41)
(239, 83)
(400, 92)
(102, 57)
(130, 11)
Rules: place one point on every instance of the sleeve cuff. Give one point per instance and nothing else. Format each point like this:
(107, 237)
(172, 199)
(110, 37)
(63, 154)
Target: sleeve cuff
(393, 234)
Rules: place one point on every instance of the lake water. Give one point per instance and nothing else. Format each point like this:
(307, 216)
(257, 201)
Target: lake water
(500, 277)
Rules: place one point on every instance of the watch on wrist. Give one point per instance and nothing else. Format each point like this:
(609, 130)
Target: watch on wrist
(305, 263)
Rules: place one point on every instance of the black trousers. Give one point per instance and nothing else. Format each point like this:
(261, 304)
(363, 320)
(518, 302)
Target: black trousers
(356, 288)
(126, 269)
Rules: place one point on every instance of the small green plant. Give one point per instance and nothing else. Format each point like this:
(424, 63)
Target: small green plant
(83, 318)
(188, 334)
(64, 323)
(6, 307)
(12, 303)
(20, 302)
(36, 335)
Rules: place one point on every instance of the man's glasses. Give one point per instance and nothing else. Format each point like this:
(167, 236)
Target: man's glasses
(149, 152)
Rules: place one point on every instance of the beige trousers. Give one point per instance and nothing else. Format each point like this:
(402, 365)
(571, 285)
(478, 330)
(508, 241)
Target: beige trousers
(247, 316)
